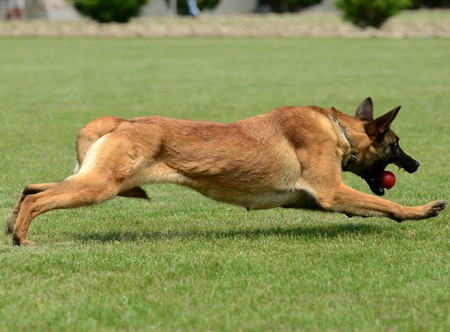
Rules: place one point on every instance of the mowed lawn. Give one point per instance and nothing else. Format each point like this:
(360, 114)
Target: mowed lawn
(184, 262)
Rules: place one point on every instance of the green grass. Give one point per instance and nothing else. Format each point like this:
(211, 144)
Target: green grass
(183, 262)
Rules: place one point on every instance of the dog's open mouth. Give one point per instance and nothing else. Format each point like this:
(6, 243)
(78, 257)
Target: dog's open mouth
(374, 178)
(375, 175)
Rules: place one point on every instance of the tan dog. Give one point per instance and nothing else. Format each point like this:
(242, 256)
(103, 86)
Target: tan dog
(291, 157)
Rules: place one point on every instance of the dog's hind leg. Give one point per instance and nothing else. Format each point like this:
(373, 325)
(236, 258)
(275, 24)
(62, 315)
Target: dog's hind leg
(74, 192)
(28, 190)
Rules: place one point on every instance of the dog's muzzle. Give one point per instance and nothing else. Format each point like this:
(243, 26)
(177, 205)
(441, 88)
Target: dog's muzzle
(401, 160)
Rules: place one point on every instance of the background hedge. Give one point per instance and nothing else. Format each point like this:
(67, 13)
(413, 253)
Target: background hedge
(374, 13)
(280, 6)
(109, 10)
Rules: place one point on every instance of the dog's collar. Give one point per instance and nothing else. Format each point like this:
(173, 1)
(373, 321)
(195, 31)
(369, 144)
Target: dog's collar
(352, 157)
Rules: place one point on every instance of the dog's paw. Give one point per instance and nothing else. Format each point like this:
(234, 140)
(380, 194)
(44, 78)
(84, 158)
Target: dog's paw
(435, 208)
(21, 242)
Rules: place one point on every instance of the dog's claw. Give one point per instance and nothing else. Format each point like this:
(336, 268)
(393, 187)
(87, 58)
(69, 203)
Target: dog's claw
(440, 205)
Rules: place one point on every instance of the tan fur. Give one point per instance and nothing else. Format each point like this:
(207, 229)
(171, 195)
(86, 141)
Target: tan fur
(290, 157)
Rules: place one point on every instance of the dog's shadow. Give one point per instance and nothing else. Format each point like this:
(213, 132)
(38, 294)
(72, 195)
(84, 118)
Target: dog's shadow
(300, 232)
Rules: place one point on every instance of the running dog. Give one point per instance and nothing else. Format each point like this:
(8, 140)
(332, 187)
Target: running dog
(291, 157)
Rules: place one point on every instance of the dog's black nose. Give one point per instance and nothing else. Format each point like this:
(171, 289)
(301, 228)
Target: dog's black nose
(410, 165)
(413, 166)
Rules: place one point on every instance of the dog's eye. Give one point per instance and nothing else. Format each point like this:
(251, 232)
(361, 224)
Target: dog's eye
(394, 146)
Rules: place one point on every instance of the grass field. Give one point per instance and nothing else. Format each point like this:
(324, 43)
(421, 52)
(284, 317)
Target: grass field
(183, 262)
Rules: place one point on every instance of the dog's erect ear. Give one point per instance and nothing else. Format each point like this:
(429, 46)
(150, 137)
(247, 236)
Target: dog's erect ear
(380, 126)
(384, 121)
(364, 112)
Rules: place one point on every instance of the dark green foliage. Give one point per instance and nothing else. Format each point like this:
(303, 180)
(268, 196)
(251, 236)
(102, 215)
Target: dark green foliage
(430, 4)
(279, 6)
(365, 13)
(109, 10)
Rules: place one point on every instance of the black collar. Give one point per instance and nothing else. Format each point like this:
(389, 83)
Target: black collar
(352, 158)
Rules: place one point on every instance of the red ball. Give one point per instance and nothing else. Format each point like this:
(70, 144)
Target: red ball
(388, 180)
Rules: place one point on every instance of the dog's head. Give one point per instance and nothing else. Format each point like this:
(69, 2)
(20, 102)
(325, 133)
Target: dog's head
(384, 147)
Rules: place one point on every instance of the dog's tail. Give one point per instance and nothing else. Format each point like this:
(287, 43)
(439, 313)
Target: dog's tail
(92, 132)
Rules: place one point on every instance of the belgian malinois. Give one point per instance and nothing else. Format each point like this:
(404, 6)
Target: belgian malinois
(291, 157)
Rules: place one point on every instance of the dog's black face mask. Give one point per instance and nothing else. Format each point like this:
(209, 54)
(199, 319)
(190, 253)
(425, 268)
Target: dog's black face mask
(385, 143)
(399, 158)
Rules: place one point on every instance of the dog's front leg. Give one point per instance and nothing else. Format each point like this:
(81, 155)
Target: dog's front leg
(354, 203)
